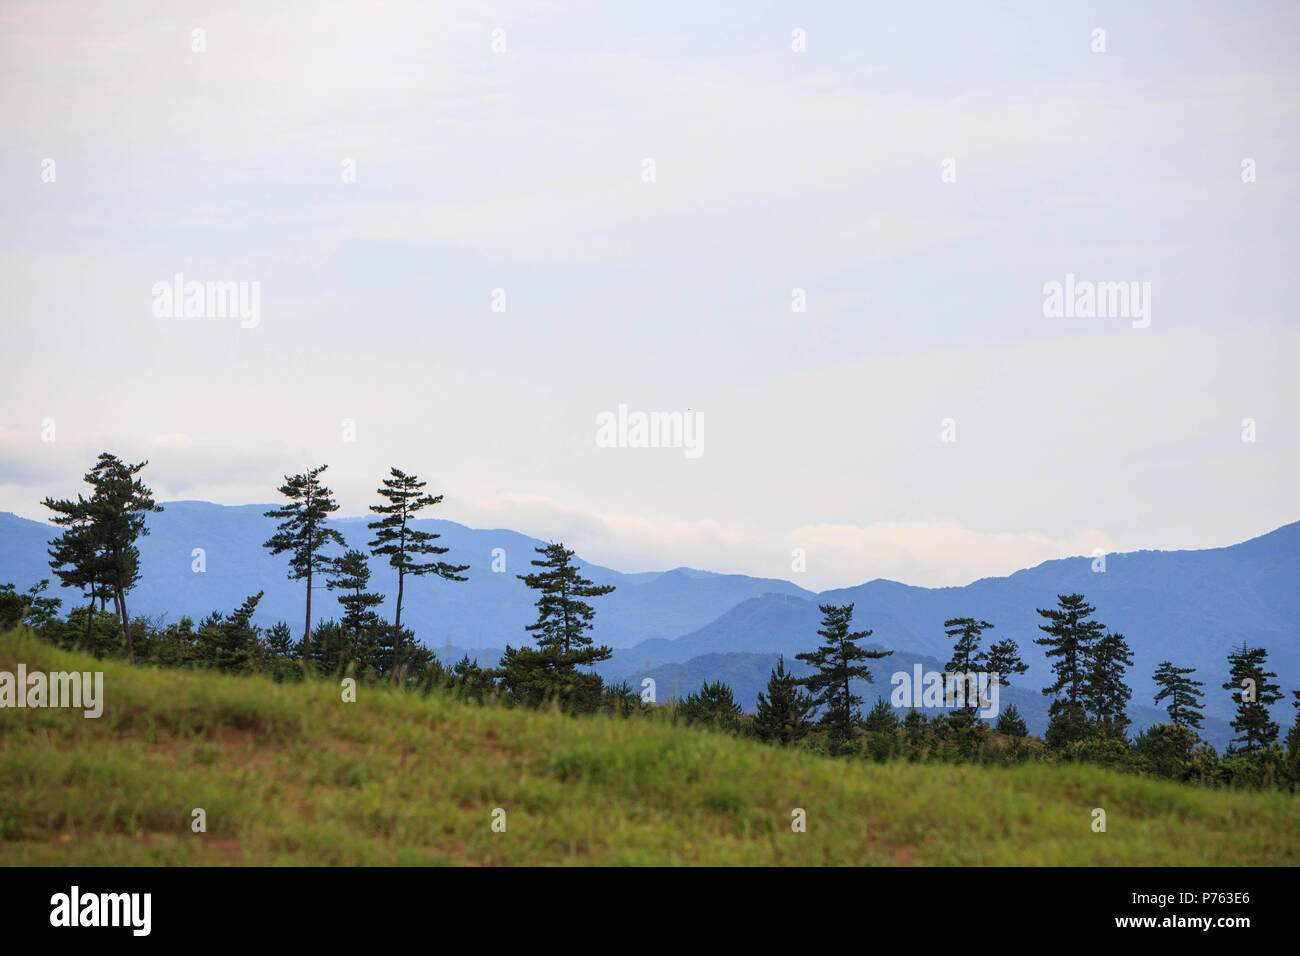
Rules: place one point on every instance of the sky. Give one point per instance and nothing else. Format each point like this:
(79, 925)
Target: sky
(824, 233)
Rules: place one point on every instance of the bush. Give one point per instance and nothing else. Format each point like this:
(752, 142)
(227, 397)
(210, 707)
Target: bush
(1103, 751)
(1258, 770)
(1165, 750)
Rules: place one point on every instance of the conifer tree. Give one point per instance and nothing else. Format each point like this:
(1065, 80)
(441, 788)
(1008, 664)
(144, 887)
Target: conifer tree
(43, 612)
(714, 704)
(1011, 723)
(881, 717)
(782, 714)
(1069, 641)
(838, 661)
(1254, 693)
(303, 532)
(563, 644)
(967, 657)
(1184, 707)
(13, 606)
(1003, 660)
(1105, 694)
(76, 556)
(403, 545)
(230, 643)
(105, 529)
(280, 661)
(470, 680)
(351, 578)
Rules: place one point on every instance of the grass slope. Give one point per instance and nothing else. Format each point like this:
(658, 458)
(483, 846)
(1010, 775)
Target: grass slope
(290, 774)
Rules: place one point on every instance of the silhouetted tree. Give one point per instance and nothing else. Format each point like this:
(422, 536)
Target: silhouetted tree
(230, 643)
(1003, 660)
(837, 662)
(967, 657)
(1254, 693)
(351, 577)
(1011, 723)
(304, 533)
(1184, 707)
(403, 545)
(782, 714)
(1105, 694)
(563, 644)
(1069, 641)
(77, 555)
(99, 550)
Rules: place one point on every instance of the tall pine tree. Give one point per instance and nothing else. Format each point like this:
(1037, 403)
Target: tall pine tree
(1105, 693)
(77, 556)
(104, 531)
(1183, 693)
(1254, 693)
(561, 632)
(968, 659)
(1004, 660)
(1069, 641)
(303, 532)
(838, 661)
(403, 545)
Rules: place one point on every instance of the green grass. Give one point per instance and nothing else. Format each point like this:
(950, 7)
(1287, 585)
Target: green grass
(289, 774)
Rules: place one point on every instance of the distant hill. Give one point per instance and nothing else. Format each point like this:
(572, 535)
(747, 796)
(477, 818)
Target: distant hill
(1188, 606)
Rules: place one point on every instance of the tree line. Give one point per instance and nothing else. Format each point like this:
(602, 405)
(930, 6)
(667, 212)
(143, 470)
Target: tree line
(97, 552)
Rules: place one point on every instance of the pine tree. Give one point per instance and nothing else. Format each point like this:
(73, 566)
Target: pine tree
(782, 714)
(715, 704)
(42, 611)
(470, 680)
(563, 644)
(1184, 705)
(837, 662)
(1011, 723)
(105, 530)
(1105, 694)
(280, 661)
(13, 606)
(230, 643)
(304, 533)
(76, 556)
(967, 657)
(1069, 641)
(351, 578)
(1254, 692)
(881, 717)
(404, 545)
(1003, 660)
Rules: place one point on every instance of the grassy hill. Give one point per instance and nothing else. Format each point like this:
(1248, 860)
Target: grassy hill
(290, 774)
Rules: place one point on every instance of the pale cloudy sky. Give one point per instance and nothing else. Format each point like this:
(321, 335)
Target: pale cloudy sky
(478, 169)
